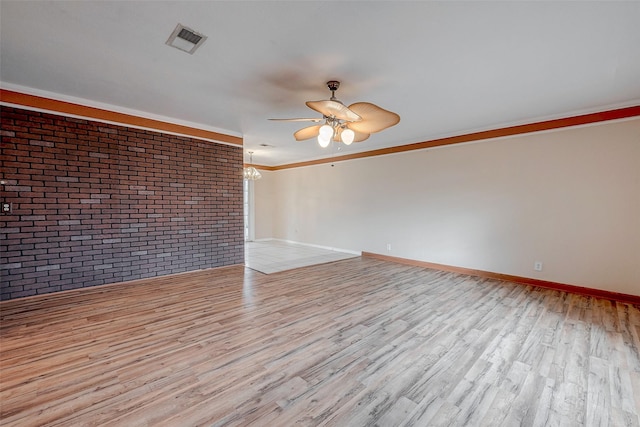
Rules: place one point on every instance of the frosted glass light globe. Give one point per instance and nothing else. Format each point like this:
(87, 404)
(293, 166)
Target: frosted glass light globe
(324, 142)
(326, 132)
(347, 136)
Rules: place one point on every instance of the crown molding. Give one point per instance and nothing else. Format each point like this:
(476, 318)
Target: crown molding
(539, 126)
(73, 109)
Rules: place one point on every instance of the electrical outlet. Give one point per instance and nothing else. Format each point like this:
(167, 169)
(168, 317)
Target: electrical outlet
(6, 207)
(537, 266)
(388, 247)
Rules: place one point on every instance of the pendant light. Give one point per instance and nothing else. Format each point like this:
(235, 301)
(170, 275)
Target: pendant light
(250, 173)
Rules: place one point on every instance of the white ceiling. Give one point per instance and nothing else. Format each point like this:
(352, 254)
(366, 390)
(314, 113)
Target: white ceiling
(445, 67)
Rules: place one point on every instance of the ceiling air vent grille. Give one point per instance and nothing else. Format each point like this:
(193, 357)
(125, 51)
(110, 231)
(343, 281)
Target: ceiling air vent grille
(186, 39)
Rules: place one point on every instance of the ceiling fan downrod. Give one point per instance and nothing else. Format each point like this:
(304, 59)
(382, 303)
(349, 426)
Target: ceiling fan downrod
(333, 86)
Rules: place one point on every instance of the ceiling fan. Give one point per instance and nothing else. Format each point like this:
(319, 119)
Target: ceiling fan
(341, 123)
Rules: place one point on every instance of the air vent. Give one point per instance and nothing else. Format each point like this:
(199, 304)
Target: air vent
(186, 39)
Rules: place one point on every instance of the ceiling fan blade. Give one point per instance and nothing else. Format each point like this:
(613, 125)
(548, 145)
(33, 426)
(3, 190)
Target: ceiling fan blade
(298, 120)
(307, 133)
(374, 118)
(358, 136)
(333, 109)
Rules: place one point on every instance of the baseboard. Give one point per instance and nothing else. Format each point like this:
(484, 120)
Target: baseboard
(347, 251)
(598, 293)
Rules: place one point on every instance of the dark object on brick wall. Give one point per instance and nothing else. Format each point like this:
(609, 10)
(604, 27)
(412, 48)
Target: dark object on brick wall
(97, 203)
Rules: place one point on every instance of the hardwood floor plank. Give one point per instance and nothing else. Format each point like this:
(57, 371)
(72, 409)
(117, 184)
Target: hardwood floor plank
(355, 342)
(598, 399)
(398, 413)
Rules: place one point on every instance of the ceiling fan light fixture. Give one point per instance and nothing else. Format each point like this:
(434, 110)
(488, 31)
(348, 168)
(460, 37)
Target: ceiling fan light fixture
(347, 136)
(344, 124)
(326, 132)
(324, 142)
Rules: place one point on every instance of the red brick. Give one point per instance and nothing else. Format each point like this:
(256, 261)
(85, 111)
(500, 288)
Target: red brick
(65, 163)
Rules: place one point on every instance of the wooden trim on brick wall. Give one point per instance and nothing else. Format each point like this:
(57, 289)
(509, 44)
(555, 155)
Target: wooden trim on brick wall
(620, 113)
(62, 107)
(597, 293)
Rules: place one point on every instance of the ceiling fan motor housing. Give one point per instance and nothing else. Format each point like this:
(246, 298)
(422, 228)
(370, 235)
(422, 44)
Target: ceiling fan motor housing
(333, 85)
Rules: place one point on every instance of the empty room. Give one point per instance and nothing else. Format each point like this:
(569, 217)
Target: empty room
(319, 213)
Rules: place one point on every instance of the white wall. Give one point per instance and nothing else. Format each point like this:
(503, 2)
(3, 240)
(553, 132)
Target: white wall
(263, 203)
(569, 198)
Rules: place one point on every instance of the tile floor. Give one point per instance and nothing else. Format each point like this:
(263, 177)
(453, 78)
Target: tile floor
(272, 256)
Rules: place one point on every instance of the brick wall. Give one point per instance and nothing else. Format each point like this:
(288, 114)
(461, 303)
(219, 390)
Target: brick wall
(95, 203)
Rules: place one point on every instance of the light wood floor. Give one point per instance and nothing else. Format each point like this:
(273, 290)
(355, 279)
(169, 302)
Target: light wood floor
(352, 343)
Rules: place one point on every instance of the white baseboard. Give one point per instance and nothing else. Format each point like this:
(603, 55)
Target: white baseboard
(329, 248)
